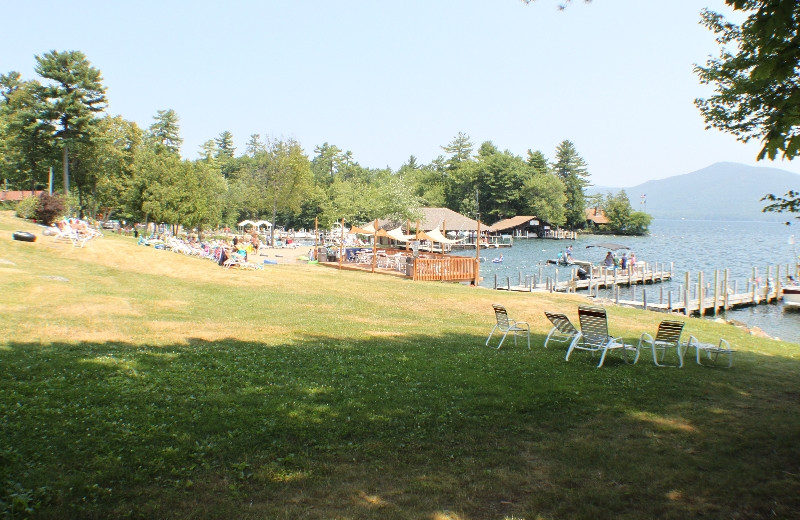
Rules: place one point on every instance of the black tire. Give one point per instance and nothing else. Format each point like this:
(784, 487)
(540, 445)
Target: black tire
(24, 236)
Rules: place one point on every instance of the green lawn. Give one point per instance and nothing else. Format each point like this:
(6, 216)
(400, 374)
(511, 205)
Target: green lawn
(144, 384)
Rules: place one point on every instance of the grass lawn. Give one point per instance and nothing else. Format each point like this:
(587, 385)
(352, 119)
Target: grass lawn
(138, 383)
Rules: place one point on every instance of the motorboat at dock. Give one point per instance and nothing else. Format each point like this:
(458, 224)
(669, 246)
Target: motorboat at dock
(791, 295)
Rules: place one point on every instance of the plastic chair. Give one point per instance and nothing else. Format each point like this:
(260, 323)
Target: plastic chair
(506, 325)
(667, 337)
(712, 351)
(563, 330)
(594, 335)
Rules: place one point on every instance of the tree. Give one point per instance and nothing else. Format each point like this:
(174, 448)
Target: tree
(107, 163)
(225, 146)
(571, 169)
(538, 161)
(459, 149)
(26, 140)
(165, 132)
(757, 83)
(209, 151)
(73, 96)
(327, 162)
(499, 179)
(282, 175)
(254, 145)
(544, 196)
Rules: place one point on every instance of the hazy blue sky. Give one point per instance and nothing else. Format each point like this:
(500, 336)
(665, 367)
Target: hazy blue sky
(386, 80)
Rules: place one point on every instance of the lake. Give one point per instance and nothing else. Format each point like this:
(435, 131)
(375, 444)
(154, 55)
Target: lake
(690, 245)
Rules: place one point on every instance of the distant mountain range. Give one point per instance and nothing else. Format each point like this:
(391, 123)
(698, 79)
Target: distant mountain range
(722, 191)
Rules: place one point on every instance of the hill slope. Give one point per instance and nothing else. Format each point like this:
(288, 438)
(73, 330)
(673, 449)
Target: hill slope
(723, 191)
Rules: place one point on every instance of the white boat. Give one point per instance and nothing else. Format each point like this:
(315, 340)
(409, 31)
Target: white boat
(791, 295)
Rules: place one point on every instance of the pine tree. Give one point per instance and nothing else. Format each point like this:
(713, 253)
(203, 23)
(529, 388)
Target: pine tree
(571, 169)
(460, 150)
(165, 132)
(73, 96)
(225, 145)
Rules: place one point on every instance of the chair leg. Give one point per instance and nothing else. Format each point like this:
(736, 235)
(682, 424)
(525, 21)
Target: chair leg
(602, 357)
(503, 339)
(490, 335)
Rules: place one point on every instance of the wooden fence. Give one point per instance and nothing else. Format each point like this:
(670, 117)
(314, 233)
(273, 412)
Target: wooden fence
(445, 268)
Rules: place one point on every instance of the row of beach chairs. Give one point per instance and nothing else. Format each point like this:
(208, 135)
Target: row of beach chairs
(593, 336)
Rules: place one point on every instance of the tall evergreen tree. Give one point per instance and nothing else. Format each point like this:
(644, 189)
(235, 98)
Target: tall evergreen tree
(327, 162)
(73, 95)
(254, 145)
(225, 146)
(165, 132)
(459, 149)
(538, 161)
(571, 169)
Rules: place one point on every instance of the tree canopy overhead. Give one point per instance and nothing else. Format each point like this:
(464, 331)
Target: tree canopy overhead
(756, 76)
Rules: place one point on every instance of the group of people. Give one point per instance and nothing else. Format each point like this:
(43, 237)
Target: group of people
(624, 262)
(219, 251)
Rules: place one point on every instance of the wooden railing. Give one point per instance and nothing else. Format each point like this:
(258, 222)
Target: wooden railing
(445, 268)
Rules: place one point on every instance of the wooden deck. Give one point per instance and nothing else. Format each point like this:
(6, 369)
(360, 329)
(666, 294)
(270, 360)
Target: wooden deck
(399, 262)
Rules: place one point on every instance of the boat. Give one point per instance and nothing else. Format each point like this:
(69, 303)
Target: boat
(791, 295)
(563, 262)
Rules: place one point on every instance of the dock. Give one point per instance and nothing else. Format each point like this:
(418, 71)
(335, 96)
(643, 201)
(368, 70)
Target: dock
(702, 298)
(597, 277)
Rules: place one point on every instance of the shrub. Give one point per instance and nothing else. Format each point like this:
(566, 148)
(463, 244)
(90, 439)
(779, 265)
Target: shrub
(50, 207)
(27, 207)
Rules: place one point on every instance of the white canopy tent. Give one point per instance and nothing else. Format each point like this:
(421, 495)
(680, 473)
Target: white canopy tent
(437, 236)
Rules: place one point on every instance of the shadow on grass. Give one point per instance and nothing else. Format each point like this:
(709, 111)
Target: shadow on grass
(390, 427)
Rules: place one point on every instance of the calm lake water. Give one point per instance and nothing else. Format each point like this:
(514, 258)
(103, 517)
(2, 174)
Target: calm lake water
(690, 245)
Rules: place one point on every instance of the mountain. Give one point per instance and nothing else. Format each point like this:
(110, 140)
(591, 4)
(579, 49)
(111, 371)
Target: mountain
(722, 191)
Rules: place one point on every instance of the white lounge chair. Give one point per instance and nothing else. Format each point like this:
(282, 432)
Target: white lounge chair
(712, 350)
(595, 337)
(505, 325)
(667, 337)
(563, 330)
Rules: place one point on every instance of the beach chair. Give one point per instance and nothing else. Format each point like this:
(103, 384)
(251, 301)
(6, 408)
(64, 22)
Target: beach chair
(594, 335)
(505, 325)
(667, 337)
(563, 330)
(711, 350)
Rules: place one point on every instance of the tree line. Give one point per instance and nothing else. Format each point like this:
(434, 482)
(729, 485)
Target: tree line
(111, 167)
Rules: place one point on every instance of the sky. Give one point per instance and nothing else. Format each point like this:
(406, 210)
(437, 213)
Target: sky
(387, 80)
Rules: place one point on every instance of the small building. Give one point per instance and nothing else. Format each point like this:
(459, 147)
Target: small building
(528, 227)
(595, 217)
(519, 227)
